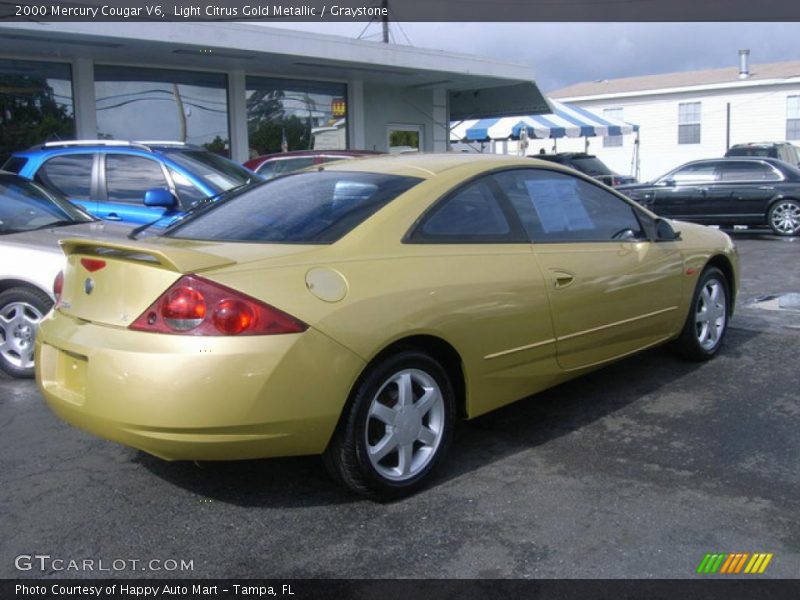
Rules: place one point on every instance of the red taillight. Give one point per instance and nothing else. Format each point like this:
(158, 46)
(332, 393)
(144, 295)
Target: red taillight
(93, 264)
(58, 286)
(183, 308)
(232, 317)
(197, 306)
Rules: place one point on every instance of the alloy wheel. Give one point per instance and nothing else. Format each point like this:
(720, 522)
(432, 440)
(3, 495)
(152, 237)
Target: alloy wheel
(785, 218)
(405, 424)
(711, 314)
(18, 324)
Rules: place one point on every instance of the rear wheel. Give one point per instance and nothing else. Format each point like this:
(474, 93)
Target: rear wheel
(21, 310)
(707, 321)
(784, 217)
(397, 428)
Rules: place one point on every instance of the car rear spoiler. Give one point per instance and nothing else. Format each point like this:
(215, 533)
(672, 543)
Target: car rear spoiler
(169, 257)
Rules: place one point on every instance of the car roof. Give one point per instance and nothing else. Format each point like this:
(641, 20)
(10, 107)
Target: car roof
(296, 153)
(426, 166)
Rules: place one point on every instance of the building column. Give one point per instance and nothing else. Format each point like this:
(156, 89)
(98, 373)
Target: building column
(356, 132)
(441, 121)
(83, 99)
(237, 116)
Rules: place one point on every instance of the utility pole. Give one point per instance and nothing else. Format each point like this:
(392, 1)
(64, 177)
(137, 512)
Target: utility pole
(385, 20)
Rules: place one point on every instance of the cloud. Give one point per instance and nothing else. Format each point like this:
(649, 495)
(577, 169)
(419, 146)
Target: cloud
(565, 53)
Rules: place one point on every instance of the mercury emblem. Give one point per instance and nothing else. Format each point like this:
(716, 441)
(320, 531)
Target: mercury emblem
(88, 285)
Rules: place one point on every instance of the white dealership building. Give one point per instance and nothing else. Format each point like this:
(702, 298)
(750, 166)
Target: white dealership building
(241, 88)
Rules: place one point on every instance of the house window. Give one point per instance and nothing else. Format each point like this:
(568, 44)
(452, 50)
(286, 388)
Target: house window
(689, 123)
(793, 118)
(612, 141)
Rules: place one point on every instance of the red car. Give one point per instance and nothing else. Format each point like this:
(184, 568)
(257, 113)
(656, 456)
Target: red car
(272, 165)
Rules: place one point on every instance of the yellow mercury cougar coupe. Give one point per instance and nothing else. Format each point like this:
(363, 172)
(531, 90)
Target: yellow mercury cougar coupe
(358, 310)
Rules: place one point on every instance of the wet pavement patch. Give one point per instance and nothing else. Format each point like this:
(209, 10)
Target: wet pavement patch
(790, 301)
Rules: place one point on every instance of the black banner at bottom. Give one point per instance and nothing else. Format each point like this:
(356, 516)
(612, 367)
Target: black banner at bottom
(405, 589)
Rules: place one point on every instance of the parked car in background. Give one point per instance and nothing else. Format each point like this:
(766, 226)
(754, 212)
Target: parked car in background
(132, 182)
(281, 163)
(781, 150)
(727, 192)
(32, 220)
(589, 164)
(360, 322)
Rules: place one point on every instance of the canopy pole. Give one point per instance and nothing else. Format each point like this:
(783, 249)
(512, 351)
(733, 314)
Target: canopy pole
(586, 144)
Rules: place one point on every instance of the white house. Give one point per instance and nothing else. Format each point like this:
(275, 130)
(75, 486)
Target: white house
(687, 116)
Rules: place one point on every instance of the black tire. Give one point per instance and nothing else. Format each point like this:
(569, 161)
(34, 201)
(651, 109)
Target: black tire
(783, 217)
(20, 305)
(692, 343)
(347, 456)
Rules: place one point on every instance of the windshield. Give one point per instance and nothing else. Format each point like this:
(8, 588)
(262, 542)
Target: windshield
(217, 171)
(25, 206)
(765, 151)
(591, 165)
(312, 208)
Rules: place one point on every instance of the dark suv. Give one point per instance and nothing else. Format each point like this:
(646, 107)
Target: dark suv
(589, 164)
(781, 150)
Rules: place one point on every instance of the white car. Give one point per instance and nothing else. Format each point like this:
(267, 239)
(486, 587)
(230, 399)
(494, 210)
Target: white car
(32, 220)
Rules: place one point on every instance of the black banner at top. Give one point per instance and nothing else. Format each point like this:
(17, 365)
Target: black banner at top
(400, 10)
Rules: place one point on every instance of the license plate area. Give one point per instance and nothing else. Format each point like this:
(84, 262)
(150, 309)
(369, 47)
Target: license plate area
(70, 375)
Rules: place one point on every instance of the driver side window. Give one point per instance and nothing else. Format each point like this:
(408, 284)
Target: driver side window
(557, 207)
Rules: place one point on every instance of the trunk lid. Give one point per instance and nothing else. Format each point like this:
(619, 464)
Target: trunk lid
(113, 282)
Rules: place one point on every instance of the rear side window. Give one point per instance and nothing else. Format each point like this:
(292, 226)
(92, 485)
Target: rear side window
(472, 214)
(15, 164)
(748, 171)
(306, 208)
(71, 175)
(129, 177)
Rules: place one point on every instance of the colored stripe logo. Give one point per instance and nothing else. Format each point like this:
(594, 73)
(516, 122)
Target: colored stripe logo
(735, 563)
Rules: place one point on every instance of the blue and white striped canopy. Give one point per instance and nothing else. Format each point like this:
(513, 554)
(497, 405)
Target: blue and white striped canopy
(566, 120)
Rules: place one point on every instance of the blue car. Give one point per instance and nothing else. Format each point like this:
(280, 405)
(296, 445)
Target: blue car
(131, 182)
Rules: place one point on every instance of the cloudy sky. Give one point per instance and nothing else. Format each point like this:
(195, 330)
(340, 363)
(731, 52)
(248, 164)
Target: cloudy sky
(566, 53)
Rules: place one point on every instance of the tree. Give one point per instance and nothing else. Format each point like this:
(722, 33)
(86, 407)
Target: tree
(266, 137)
(30, 114)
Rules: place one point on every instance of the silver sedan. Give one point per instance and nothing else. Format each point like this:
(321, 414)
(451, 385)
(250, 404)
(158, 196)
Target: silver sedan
(32, 220)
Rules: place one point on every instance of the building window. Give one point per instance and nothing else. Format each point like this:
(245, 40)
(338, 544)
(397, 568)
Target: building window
(35, 104)
(689, 123)
(287, 114)
(612, 141)
(793, 118)
(143, 104)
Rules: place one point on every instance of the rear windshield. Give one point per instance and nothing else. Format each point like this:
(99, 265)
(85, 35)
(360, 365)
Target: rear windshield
(766, 151)
(591, 165)
(305, 208)
(217, 171)
(14, 164)
(27, 206)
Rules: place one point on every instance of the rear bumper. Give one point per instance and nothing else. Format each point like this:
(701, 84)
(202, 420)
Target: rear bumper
(196, 398)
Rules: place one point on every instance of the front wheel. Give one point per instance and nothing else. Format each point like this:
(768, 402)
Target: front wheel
(784, 217)
(707, 321)
(396, 429)
(21, 310)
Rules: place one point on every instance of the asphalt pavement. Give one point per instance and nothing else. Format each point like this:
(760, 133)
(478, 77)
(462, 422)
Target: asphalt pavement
(637, 470)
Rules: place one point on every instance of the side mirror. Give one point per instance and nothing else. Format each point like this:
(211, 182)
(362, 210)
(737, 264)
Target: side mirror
(160, 197)
(665, 232)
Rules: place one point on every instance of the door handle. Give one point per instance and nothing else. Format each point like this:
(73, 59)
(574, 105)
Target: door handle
(704, 190)
(113, 217)
(563, 279)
